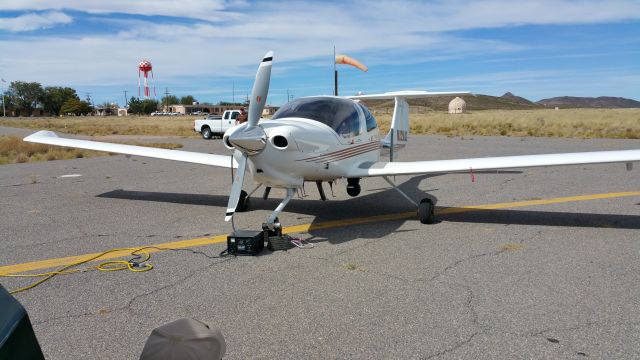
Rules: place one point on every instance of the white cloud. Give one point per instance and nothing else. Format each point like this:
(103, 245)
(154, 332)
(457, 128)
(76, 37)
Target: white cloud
(203, 9)
(438, 15)
(228, 38)
(28, 22)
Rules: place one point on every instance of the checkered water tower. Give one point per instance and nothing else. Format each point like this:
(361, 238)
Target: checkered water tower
(144, 68)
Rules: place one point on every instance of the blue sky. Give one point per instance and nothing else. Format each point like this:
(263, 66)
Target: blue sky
(205, 48)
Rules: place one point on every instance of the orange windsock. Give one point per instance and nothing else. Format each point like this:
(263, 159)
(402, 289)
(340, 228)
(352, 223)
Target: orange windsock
(344, 59)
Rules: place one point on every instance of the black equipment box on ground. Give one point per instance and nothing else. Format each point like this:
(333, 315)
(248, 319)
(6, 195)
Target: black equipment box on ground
(17, 339)
(245, 242)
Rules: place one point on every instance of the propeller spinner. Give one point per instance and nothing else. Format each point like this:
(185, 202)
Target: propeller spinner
(251, 139)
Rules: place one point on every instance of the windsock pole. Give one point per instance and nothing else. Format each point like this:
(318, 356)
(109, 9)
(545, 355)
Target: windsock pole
(335, 74)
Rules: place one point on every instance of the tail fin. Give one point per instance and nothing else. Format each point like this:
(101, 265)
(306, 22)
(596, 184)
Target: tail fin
(398, 134)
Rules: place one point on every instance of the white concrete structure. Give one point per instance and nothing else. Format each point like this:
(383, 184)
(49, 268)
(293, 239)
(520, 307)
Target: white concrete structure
(457, 106)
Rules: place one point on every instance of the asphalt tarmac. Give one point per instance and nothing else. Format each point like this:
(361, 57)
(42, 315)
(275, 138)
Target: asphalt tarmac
(542, 275)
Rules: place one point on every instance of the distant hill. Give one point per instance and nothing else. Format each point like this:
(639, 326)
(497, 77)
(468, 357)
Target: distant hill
(589, 102)
(507, 101)
(517, 99)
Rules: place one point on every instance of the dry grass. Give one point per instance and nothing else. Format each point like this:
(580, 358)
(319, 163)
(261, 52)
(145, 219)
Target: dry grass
(575, 123)
(352, 266)
(13, 151)
(112, 125)
(512, 247)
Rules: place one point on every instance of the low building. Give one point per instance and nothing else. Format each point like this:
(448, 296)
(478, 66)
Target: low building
(105, 111)
(212, 109)
(269, 110)
(457, 106)
(199, 108)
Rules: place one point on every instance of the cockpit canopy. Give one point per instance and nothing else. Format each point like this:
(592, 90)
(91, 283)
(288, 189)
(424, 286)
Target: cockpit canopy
(342, 115)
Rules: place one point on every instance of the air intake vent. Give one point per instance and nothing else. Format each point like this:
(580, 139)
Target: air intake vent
(280, 141)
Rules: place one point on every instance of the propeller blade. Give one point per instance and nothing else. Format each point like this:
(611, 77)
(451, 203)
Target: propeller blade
(260, 90)
(236, 188)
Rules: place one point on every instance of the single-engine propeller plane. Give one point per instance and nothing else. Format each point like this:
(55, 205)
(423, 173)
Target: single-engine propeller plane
(325, 138)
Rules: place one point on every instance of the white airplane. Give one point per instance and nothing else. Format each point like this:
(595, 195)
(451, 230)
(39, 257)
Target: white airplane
(325, 138)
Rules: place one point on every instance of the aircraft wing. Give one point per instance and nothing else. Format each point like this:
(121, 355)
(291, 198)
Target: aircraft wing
(407, 94)
(50, 138)
(492, 163)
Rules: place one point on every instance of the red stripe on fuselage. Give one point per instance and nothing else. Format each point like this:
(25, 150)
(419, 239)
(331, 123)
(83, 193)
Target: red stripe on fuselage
(338, 152)
(345, 153)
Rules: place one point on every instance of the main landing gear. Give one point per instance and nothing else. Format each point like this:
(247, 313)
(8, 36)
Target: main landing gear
(353, 186)
(425, 208)
(426, 211)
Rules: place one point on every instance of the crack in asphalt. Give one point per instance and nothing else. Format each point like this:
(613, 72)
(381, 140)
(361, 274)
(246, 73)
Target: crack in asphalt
(130, 303)
(474, 322)
(474, 318)
(464, 260)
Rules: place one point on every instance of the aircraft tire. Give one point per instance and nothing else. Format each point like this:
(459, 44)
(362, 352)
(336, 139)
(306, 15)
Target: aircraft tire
(353, 189)
(425, 211)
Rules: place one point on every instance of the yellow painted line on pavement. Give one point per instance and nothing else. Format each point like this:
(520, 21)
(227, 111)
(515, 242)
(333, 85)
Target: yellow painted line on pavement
(59, 262)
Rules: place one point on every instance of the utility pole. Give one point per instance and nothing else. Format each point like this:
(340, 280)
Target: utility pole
(126, 99)
(233, 91)
(287, 95)
(4, 110)
(89, 98)
(166, 99)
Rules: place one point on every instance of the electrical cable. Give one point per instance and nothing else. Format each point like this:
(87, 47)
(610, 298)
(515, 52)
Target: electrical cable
(138, 263)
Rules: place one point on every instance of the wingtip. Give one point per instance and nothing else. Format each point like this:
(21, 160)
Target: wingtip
(40, 134)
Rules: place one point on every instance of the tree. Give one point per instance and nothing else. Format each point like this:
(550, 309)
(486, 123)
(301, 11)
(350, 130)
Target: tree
(108, 105)
(76, 106)
(25, 96)
(135, 106)
(55, 96)
(170, 100)
(149, 106)
(187, 100)
(146, 106)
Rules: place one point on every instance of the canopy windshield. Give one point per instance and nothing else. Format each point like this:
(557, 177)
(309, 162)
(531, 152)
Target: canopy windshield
(339, 114)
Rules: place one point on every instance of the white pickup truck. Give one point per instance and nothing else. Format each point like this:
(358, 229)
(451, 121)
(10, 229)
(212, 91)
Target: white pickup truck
(216, 125)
